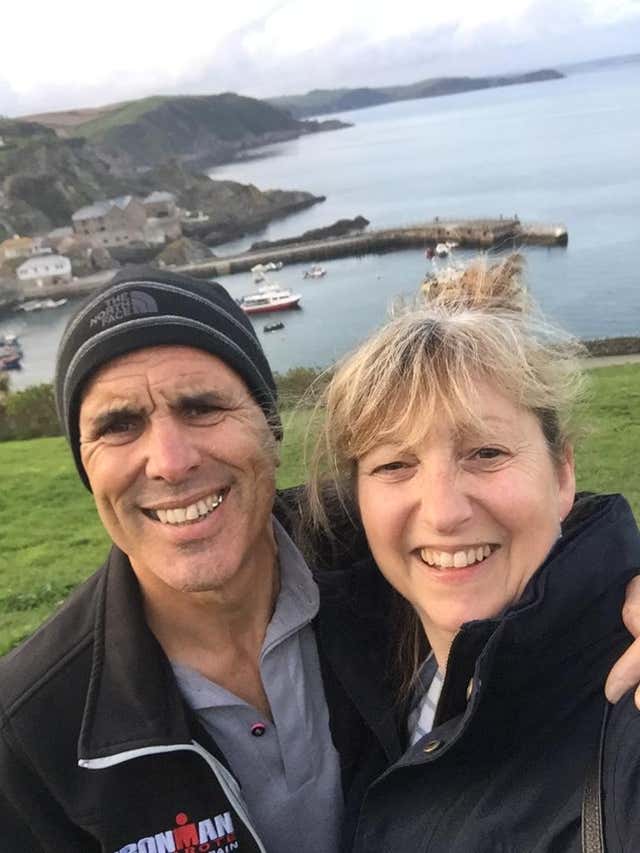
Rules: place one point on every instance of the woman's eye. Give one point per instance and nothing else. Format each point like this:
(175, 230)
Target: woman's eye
(488, 454)
(390, 467)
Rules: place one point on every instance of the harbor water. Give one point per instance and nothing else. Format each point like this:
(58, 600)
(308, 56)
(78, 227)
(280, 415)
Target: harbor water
(562, 151)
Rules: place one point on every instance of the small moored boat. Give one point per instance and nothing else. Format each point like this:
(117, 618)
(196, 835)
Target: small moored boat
(315, 272)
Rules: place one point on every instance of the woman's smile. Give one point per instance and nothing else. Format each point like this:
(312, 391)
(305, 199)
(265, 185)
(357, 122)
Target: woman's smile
(460, 558)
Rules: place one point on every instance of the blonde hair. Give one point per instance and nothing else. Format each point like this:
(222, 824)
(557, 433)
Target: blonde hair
(475, 324)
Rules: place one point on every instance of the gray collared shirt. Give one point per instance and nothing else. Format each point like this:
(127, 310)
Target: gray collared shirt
(290, 774)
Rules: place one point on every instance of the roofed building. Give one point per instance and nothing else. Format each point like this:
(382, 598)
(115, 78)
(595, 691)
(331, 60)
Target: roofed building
(45, 269)
(114, 222)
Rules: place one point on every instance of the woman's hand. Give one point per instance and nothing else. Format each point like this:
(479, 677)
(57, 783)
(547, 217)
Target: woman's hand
(626, 672)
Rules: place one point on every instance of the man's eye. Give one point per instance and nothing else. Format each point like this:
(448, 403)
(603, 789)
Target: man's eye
(119, 430)
(118, 427)
(202, 411)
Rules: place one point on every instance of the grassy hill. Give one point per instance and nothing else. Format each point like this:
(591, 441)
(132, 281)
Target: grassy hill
(52, 539)
(322, 101)
(203, 127)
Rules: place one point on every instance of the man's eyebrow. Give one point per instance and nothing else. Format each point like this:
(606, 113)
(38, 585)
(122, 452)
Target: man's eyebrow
(214, 399)
(101, 420)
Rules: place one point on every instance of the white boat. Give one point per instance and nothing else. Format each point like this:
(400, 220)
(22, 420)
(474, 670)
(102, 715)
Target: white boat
(40, 304)
(442, 250)
(315, 272)
(269, 297)
(260, 270)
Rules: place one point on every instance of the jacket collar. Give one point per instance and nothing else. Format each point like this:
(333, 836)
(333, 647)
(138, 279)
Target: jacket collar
(569, 610)
(132, 700)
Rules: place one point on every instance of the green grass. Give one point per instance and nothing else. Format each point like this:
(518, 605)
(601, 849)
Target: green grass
(50, 536)
(608, 458)
(127, 113)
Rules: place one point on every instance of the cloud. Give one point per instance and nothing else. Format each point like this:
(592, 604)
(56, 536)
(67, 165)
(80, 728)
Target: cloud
(267, 47)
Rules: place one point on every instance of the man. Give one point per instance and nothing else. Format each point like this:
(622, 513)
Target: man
(201, 692)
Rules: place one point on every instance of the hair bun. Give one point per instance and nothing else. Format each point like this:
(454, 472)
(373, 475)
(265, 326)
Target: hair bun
(480, 286)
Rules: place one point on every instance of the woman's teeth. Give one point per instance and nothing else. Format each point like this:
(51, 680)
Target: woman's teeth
(457, 559)
(192, 512)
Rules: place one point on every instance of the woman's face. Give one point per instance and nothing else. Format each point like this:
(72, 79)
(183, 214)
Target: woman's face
(459, 524)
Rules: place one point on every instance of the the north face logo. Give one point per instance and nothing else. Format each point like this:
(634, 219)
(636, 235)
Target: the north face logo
(124, 305)
(212, 835)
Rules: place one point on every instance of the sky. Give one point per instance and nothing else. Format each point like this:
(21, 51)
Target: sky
(70, 53)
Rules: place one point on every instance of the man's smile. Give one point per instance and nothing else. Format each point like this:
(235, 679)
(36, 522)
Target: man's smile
(187, 513)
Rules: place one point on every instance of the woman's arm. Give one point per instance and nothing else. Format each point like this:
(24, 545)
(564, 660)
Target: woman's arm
(625, 675)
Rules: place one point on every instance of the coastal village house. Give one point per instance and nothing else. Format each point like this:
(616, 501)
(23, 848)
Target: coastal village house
(163, 217)
(114, 222)
(57, 237)
(126, 219)
(18, 247)
(160, 205)
(45, 269)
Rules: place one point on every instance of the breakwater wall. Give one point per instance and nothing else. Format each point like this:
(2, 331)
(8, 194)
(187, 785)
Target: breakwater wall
(507, 234)
(503, 234)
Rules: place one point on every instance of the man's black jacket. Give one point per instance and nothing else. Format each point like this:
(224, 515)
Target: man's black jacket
(98, 752)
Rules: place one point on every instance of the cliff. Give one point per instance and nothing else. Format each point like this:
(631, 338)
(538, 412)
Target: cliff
(44, 179)
(322, 101)
(207, 129)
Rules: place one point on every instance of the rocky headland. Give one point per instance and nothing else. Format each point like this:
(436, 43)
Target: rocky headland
(323, 101)
(340, 228)
(54, 164)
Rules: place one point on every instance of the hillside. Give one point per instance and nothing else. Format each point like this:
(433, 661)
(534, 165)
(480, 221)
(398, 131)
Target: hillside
(44, 179)
(208, 128)
(322, 101)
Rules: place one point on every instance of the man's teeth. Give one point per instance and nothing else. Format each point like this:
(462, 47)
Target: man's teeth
(199, 509)
(457, 559)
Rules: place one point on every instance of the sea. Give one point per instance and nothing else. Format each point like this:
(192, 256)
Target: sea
(563, 151)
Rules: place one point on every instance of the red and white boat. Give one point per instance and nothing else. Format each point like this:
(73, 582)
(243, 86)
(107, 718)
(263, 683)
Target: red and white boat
(269, 298)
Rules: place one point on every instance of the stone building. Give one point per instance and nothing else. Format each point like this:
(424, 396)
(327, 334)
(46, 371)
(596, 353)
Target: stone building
(114, 222)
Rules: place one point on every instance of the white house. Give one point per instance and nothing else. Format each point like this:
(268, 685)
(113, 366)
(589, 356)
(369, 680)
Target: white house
(45, 269)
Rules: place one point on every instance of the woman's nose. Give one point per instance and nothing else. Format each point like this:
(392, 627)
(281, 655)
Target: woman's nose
(444, 502)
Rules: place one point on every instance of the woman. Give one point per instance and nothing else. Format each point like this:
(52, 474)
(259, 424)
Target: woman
(452, 431)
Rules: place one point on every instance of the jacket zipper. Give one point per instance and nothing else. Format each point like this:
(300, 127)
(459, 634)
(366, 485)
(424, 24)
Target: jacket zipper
(227, 782)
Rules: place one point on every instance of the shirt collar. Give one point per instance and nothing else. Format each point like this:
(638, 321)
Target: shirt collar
(298, 600)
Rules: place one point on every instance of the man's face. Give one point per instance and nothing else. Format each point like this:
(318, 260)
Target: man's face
(182, 464)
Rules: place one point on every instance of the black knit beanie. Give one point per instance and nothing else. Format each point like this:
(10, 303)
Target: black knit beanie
(145, 307)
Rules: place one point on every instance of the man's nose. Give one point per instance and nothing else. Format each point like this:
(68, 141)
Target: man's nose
(445, 504)
(171, 451)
